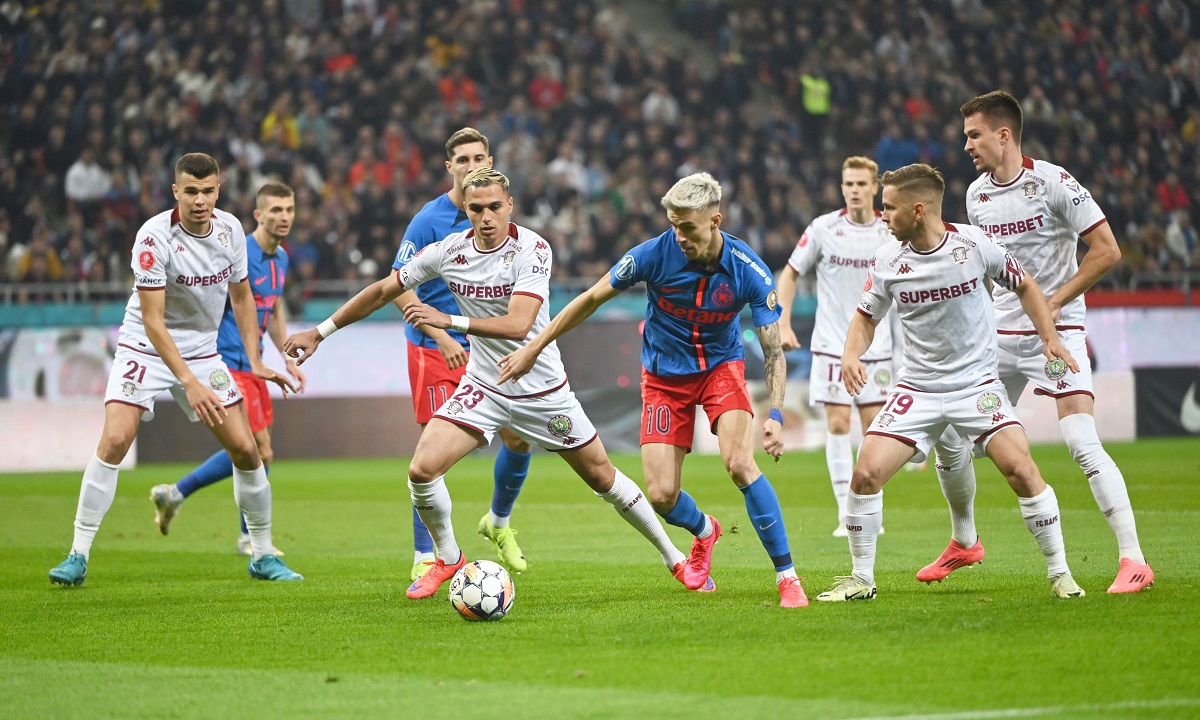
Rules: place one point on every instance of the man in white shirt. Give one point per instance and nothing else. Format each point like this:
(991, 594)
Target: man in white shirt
(1040, 212)
(936, 277)
(840, 246)
(186, 261)
(499, 273)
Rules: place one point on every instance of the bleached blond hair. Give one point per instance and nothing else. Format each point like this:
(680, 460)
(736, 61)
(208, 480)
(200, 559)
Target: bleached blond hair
(694, 192)
(483, 177)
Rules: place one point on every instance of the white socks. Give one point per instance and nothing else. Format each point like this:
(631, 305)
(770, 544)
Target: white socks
(631, 504)
(864, 518)
(1043, 520)
(432, 501)
(839, 458)
(956, 475)
(497, 521)
(1106, 481)
(95, 498)
(252, 492)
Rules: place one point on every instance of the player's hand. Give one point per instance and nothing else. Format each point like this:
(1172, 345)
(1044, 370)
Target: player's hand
(517, 364)
(300, 346)
(773, 438)
(854, 374)
(283, 381)
(418, 314)
(787, 338)
(453, 353)
(205, 404)
(297, 374)
(1055, 350)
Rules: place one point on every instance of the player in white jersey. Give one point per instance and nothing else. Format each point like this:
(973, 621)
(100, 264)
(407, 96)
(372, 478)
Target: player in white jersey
(1041, 212)
(936, 277)
(840, 246)
(185, 262)
(500, 274)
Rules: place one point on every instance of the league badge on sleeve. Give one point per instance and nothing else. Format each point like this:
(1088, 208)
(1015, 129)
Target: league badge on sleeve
(772, 300)
(625, 268)
(146, 259)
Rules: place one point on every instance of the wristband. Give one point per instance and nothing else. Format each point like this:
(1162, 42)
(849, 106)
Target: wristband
(776, 416)
(460, 323)
(327, 328)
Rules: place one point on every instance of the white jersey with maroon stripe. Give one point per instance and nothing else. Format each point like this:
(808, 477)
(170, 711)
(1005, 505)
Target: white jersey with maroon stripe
(1039, 215)
(941, 298)
(482, 283)
(841, 251)
(193, 271)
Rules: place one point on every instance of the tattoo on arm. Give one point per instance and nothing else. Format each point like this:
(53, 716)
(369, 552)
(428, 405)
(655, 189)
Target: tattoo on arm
(776, 366)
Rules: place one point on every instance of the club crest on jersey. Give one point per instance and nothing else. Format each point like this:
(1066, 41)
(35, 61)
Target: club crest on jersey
(722, 296)
(560, 426)
(959, 254)
(146, 260)
(224, 239)
(988, 403)
(508, 258)
(772, 300)
(833, 389)
(1030, 189)
(128, 389)
(219, 379)
(625, 268)
(885, 420)
(882, 377)
(1055, 369)
(453, 407)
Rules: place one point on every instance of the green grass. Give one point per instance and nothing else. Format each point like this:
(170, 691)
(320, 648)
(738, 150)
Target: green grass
(173, 628)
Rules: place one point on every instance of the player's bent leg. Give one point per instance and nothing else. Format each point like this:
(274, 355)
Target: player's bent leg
(97, 489)
(1009, 450)
(611, 485)
(442, 444)
(508, 476)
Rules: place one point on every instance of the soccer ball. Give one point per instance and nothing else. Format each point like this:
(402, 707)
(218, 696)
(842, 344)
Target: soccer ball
(481, 590)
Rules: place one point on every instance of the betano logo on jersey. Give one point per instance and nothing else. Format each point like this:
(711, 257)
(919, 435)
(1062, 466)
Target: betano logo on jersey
(695, 315)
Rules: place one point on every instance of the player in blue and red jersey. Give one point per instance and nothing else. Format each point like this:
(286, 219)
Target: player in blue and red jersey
(698, 279)
(267, 265)
(437, 358)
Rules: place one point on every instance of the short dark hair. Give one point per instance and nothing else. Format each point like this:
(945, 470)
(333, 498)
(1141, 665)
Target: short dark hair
(198, 165)
(998, 107)
(464, 136)
(919, 178)
(273, 188)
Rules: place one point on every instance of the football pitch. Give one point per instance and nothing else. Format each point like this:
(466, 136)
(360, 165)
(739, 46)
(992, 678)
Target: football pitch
(172, 627)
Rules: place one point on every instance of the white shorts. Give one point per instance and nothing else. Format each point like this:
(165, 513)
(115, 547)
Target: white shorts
(919, 418)
(137, 378)
(1021, 361)
(555, 421)
(825, 384)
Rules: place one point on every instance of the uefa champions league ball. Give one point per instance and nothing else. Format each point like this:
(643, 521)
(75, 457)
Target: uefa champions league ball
(481, 590)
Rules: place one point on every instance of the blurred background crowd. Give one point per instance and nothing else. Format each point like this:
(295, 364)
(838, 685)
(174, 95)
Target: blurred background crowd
(591, 114)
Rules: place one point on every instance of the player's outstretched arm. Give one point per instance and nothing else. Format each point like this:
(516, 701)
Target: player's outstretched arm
(245, 314)
(303, 344)
(776, 372)
(1038, 309)
(858, 339)
(277, 330)
(785, 286)
(515, 365)
(1103, 252)
(512, 325)
(202, 399)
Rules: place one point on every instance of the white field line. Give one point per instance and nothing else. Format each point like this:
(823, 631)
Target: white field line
(1041, 711)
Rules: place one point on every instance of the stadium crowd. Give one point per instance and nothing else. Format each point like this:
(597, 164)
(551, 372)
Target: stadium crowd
(350, 102)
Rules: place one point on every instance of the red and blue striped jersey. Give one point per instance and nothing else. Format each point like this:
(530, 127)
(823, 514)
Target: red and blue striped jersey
(692, 315)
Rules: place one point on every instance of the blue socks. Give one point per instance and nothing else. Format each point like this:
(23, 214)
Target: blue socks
(686, 515)
(762, 505)
(508, 476)
(215, 469)
(422, 542)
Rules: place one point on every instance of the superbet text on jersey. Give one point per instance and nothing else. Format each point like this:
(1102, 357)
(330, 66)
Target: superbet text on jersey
(841, 251)
(943, 304)
(194, 272)
(1039, 215)
(482, 283)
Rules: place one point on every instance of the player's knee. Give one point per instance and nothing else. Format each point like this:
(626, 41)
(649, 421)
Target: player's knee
(266, 453)
(114, 445)
(516, 444)
(244, 456)
(421, 473)
(742, 469)
(1023, 476)
(866, 480)
(662, 499)
(837, 425)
